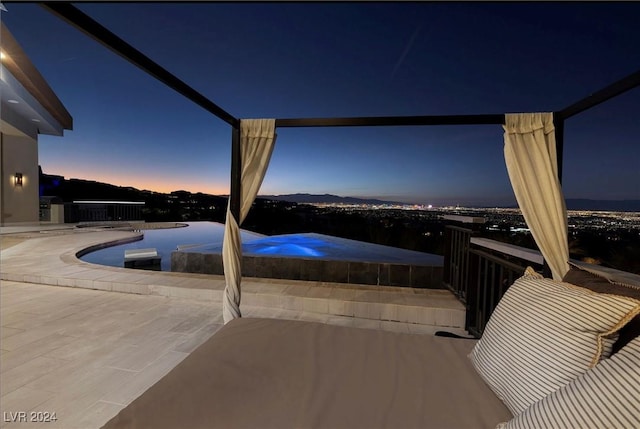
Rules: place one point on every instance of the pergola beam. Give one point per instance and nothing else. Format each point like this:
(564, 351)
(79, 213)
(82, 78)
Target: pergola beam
(372, 121)
(101, 34)
(623, 85)
(95, 30)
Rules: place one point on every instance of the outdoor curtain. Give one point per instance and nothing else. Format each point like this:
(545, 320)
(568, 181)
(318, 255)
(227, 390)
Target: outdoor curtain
(530, 155)
(257, 139)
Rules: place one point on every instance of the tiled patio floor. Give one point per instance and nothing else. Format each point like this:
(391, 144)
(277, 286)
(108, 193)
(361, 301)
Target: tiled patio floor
(85, 354)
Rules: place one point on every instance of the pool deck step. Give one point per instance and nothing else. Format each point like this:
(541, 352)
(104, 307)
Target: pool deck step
(56, 264)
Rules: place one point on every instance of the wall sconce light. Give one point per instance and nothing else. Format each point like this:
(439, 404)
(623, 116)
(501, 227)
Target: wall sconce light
(17, 179)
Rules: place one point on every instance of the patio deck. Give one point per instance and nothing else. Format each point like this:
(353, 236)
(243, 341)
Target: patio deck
(85, 354)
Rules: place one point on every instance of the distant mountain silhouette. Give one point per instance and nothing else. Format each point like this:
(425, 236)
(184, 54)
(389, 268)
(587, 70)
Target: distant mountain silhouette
(69, 190)
(603, 205)
(325, 198)
(572, 203)
(79, 189)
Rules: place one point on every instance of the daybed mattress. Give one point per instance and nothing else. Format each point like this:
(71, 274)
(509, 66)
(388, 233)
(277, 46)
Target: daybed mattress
(265, 373)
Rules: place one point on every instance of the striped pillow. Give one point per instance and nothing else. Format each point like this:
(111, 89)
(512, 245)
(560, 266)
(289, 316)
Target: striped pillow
(608, 396)
(544, 334)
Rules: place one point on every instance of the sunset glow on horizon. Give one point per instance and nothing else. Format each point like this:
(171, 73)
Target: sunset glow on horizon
(139, 181)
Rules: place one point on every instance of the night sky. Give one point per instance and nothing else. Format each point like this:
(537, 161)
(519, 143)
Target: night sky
(286, 60)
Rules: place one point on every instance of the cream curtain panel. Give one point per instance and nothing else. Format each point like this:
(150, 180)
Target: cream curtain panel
(257, 139)
(530, 155)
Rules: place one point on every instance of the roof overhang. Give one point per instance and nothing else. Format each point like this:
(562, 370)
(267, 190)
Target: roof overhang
(28, 103)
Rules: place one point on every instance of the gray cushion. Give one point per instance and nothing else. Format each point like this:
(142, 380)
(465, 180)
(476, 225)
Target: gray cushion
(261, 373)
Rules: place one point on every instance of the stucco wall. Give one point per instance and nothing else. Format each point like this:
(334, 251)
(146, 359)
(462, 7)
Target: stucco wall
(57, 213)
(19, 204)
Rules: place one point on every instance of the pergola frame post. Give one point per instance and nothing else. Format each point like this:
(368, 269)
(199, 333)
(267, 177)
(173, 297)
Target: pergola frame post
(235, 192)
(86, 24)
(558, 124)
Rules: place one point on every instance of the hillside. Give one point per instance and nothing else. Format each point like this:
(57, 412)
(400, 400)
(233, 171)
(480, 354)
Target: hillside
(79, 189)
(325, 198)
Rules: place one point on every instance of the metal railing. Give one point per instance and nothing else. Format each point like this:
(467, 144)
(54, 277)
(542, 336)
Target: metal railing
(493, 267)
(102, 211)
(479, 271)
(456, 252)
(456, 260)
(489, 277)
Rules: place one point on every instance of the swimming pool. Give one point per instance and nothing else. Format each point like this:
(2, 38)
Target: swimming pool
(317, 257)
(166, 241)
(308, 257)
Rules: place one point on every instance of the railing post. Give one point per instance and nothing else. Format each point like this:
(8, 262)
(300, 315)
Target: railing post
(473, 284)
(446, 274)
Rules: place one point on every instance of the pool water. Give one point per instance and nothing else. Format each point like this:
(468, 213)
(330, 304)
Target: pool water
(166, 241)
(326, 247)
(290, 245)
